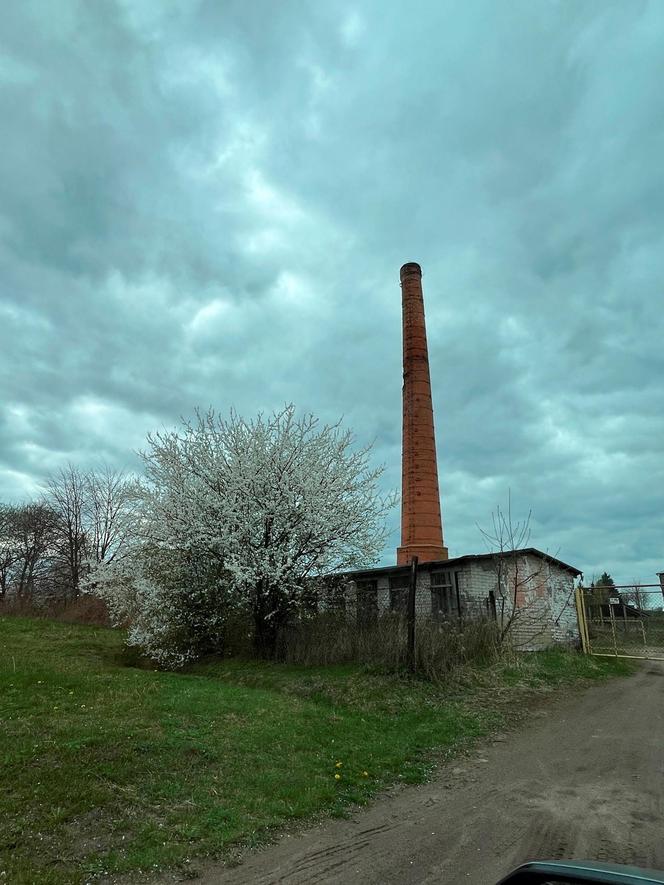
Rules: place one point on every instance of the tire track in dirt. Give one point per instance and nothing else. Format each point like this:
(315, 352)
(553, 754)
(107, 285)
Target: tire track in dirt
(583, 778)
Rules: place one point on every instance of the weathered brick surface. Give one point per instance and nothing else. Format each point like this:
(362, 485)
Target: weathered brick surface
(545, 610)
(421, 523)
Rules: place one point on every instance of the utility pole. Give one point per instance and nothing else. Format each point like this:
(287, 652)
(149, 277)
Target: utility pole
(412, 588)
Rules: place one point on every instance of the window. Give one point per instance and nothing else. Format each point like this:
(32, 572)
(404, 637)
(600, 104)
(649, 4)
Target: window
(399, 587)
(336, 597)
(443, 595)
(367, 603)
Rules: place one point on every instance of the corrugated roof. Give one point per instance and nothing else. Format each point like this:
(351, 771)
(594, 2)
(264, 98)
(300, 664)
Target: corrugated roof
(458, 560)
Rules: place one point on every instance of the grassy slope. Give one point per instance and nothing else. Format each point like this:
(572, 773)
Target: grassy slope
(107, 767)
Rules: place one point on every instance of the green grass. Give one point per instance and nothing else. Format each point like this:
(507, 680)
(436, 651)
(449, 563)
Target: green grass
(107, 767)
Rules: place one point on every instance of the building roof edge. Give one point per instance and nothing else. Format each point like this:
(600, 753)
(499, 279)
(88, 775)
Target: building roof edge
(458, 560)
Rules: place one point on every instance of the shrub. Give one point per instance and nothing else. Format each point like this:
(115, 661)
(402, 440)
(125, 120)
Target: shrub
(266, 503)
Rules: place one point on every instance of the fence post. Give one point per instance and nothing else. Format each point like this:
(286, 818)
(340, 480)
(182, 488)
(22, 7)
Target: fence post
(411, 612)
(613, 628)
(581, 617)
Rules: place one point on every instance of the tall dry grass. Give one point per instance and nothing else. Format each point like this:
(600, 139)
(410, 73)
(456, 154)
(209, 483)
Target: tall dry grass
(440, 646)
(84, 610)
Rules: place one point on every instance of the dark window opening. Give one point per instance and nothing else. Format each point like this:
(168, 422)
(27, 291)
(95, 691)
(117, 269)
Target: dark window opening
(367, 603)
(444, 595)
(399, 587)
(457, 593)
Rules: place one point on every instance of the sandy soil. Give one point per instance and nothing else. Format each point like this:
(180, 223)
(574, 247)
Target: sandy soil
(584, 778)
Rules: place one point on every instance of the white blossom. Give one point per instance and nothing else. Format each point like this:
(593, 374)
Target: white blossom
(237, 513)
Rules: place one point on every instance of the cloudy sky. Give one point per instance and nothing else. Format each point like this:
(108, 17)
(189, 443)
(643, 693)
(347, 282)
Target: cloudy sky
(207, 203)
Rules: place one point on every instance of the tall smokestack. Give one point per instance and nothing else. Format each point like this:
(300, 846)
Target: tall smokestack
(421, 524)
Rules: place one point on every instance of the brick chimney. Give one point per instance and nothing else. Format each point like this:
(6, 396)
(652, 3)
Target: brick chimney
(421, 524)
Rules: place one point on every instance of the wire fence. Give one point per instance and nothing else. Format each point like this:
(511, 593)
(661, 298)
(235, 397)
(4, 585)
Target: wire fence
(623, 620)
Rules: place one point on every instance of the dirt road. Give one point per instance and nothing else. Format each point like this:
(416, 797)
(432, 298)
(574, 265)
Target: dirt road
(584, 779)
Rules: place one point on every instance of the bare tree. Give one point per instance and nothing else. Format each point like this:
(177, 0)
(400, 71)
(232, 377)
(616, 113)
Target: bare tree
(635, 595)
(36, 528)
(66, 494)
(506, 539)
(109, 513)
(8, 546)
(96, 512)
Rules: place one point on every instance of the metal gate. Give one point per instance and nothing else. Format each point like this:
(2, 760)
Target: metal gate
(625, 621)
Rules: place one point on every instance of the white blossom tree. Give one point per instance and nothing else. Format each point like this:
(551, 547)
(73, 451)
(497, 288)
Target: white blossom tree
(242, 513)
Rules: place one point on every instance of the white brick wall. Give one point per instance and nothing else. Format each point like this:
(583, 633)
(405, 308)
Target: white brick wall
(546, 610)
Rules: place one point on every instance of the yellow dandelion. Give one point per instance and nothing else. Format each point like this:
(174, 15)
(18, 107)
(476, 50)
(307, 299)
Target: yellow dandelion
(365, 774)
(337, 777)
(338, 765)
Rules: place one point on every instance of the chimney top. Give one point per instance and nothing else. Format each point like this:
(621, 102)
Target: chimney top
(412, 268)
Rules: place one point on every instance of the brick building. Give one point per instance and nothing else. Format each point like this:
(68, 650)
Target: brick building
(477, 585)
(527, 589)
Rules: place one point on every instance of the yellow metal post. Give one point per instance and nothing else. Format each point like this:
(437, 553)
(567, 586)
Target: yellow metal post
(613, 628)
(581, 617)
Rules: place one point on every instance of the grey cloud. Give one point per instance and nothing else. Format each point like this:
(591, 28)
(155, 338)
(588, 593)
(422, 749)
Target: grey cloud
(206, 203)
